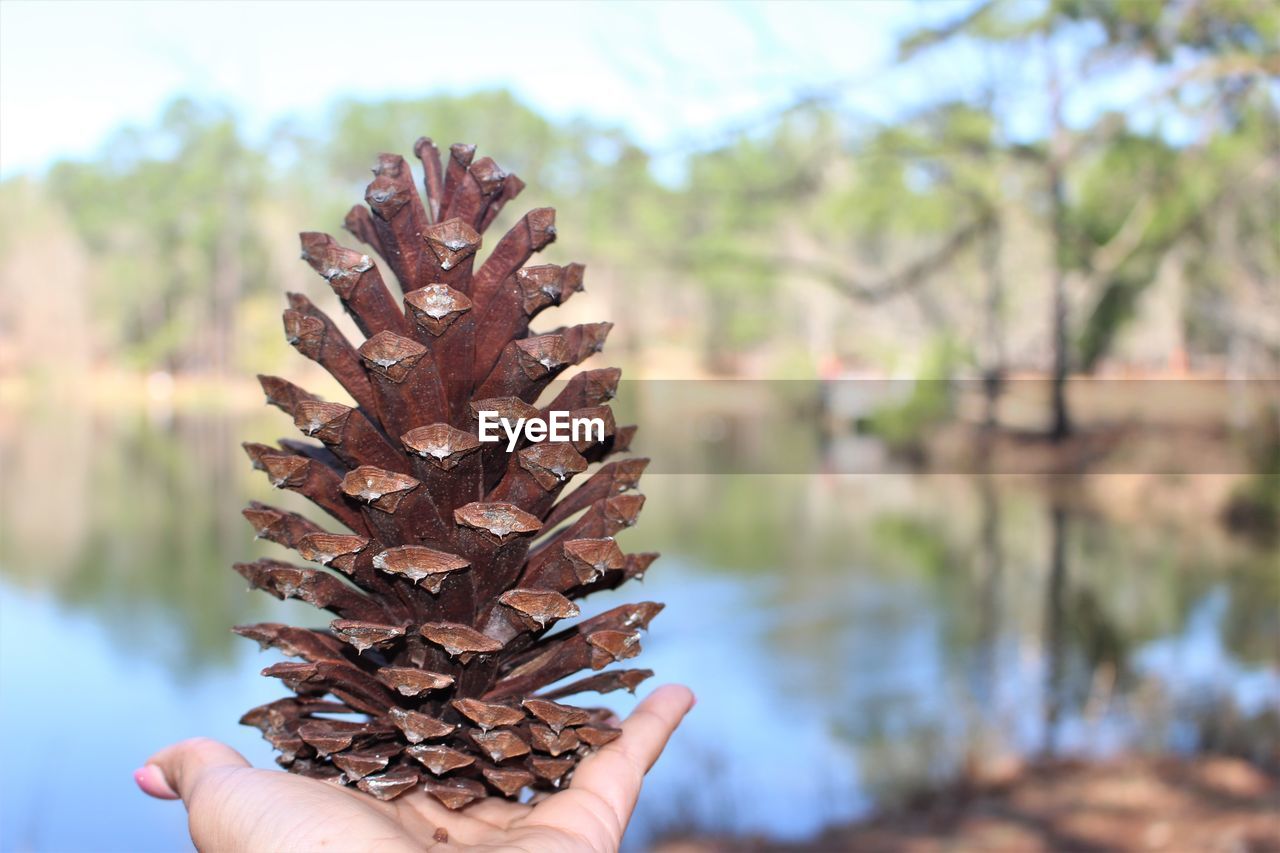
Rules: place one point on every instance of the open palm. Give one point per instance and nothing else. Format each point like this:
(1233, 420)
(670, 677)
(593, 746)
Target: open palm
(234, 807)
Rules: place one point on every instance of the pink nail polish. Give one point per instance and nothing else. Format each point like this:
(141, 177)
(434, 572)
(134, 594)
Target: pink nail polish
(152, 782)
(142, 778)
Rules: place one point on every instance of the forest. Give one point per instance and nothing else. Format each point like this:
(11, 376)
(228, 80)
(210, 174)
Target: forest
(1096, 195)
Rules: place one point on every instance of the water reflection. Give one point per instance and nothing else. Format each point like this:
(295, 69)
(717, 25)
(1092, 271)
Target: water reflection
(851, 638)
(135, 519)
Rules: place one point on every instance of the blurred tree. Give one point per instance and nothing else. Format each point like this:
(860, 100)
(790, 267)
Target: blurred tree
(734, 212)
(178, 219)
(564, 164)
(923, 216)
(168, 216)
(40, 253)
(595, 176)
(1119, 191)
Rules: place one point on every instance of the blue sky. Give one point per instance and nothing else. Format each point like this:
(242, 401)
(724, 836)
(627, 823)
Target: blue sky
(672, 74)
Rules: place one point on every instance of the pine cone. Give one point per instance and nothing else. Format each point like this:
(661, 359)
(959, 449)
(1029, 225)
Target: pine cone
(459, 559)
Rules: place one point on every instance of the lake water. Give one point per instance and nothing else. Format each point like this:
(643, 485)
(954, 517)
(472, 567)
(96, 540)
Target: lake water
(852, 639)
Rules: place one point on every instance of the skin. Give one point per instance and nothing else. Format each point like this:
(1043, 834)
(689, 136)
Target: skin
(233, 806)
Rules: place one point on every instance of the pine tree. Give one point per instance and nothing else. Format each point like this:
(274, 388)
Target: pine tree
(441, 666)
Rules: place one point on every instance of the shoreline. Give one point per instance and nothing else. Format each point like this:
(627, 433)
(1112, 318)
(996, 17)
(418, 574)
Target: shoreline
(1205, 803)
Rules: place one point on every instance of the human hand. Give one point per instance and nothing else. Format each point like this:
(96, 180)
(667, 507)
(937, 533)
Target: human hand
(233, 807)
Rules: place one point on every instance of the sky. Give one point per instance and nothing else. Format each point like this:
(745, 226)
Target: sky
(674, 75)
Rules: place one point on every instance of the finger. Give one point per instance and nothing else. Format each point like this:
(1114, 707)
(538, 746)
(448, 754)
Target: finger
(173, 771)
(615, 772)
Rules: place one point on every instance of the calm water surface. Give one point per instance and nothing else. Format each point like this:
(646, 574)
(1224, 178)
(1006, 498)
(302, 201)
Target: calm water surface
(851, 639)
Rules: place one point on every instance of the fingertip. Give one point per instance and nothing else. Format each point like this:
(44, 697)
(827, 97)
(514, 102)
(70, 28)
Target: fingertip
(176, 767)
(676, 697)
(151, 780)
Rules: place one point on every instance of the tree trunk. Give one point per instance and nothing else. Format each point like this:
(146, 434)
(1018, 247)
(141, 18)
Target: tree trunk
(1061, 425)
(993, 321)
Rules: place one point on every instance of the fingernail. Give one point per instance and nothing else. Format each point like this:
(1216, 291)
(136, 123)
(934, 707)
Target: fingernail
(150, 778)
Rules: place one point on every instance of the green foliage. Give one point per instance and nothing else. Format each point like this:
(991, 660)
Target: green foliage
(1254, 506)
(1219, 26)
(550, 158)
(183, 221)
(1136, 190)
(168, 214)
(173, 216)
(570, 165)
(913, 544)
(904, 425)
(732, 215)
(1141, 187)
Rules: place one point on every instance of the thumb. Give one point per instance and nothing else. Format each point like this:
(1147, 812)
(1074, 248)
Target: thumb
(173, 772)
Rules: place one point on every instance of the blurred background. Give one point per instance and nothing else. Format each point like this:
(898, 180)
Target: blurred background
(988, 540)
